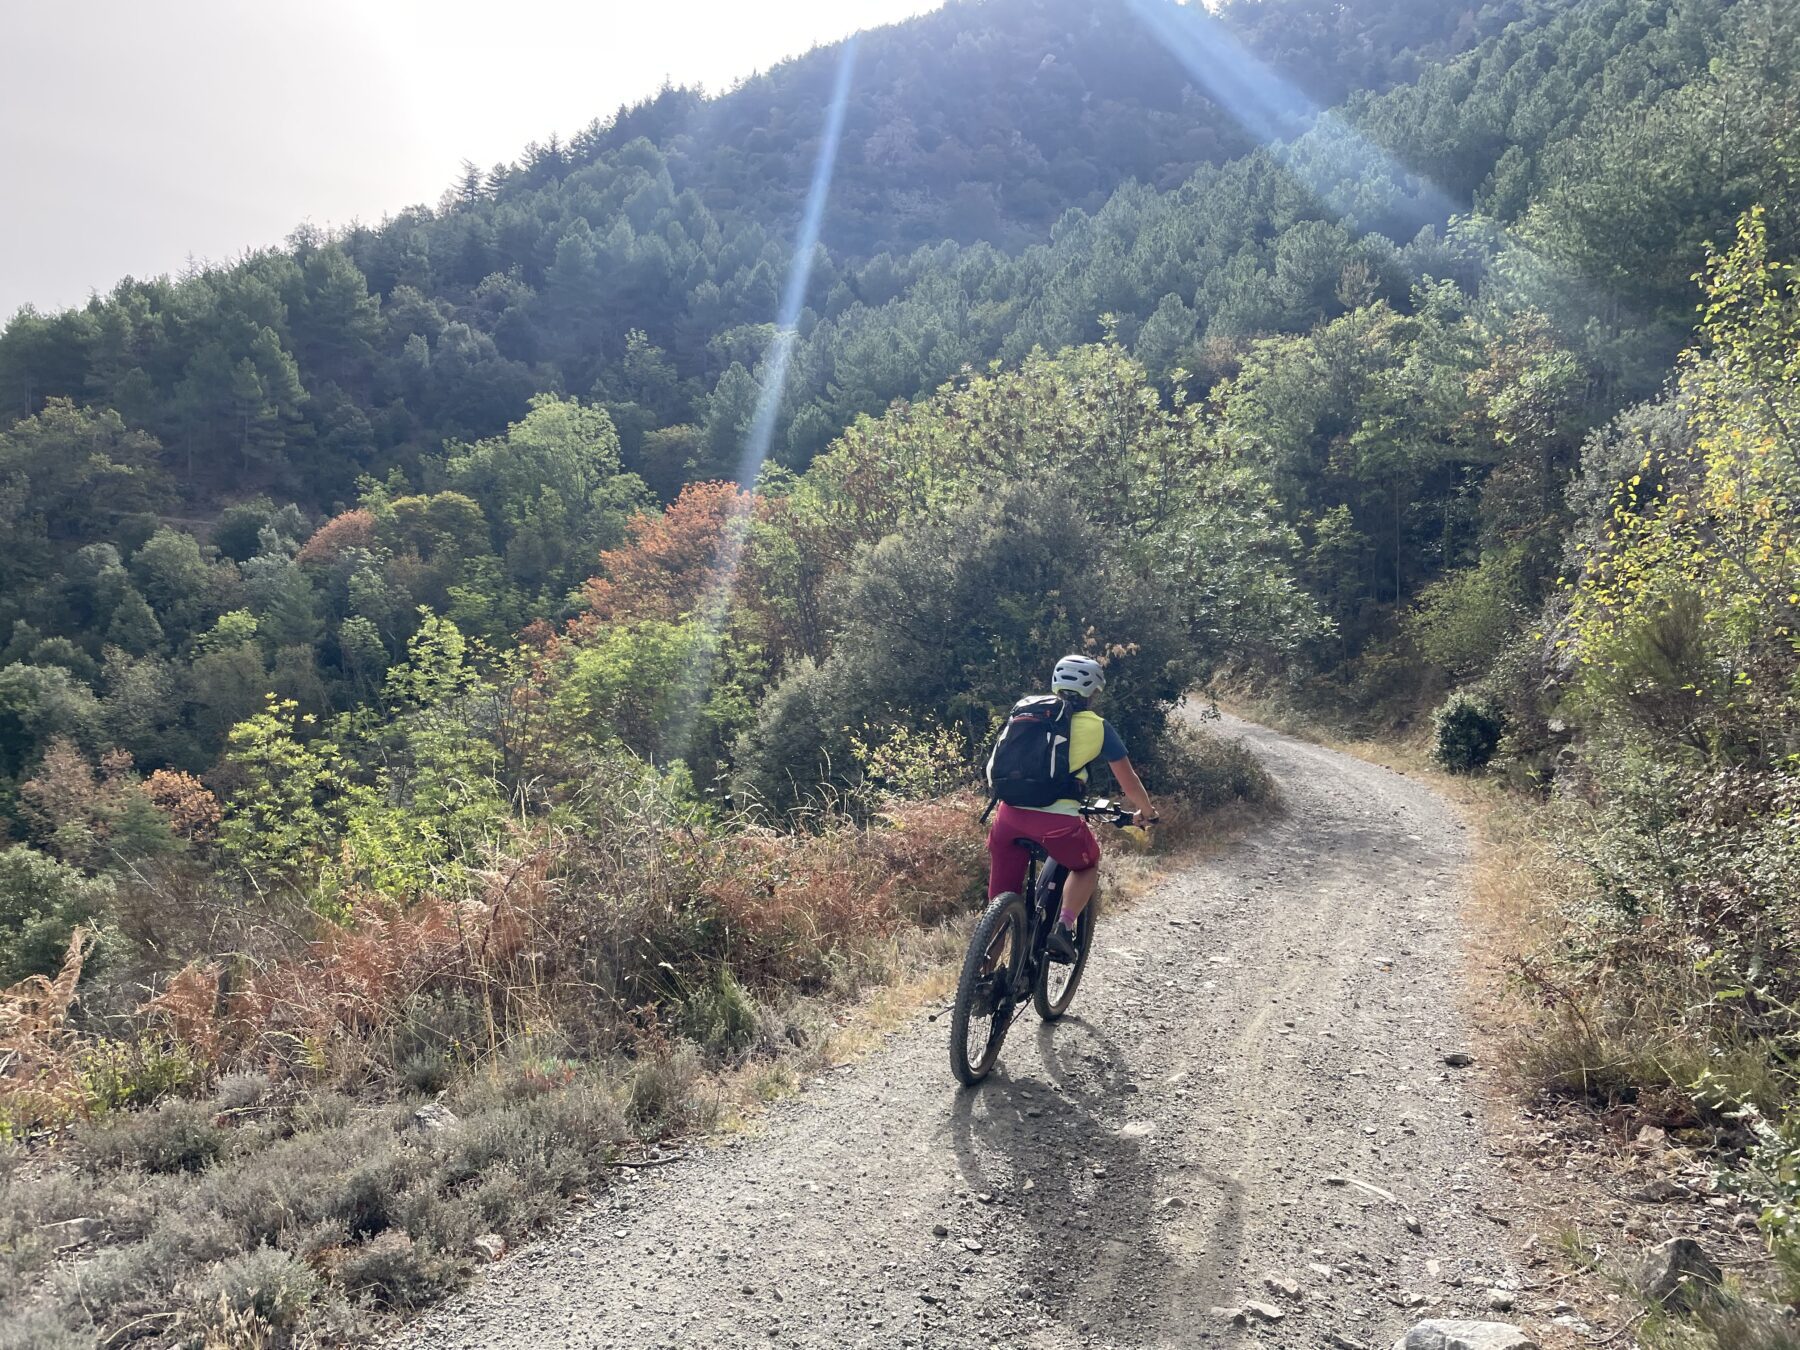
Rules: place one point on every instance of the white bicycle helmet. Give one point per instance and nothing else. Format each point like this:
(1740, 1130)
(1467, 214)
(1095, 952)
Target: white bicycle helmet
(1078, 675)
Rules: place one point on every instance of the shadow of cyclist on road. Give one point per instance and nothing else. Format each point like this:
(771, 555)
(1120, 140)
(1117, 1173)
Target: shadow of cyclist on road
(1056, 1143)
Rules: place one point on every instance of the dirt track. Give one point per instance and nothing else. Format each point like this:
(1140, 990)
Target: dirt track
(1264, 1025)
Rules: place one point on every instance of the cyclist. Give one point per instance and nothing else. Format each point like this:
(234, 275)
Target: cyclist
(1059, 828)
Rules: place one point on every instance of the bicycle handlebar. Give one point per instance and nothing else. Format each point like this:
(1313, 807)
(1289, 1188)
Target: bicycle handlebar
(1109, 812)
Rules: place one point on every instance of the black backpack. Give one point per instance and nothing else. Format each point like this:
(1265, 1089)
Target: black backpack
(1029, 765)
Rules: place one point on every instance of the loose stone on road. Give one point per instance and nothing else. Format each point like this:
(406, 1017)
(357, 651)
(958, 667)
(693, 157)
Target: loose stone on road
(1245, 1133)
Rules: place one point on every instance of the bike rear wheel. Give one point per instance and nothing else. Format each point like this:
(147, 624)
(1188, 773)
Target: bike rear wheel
(989, 989)
(1055, 988)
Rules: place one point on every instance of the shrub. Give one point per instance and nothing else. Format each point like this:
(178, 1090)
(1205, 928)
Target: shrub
(661, 1093)
(264, 1286)
(799, 739)
(368, 1198)
(118, 1075)
(121, 1284)
(899, 762)
(556, 1142)
(1201, 770)
(34, 1215)
(391, 1271)
(240, 1091)
(43, 1329)
(945, 624)
(1466, 730)
(177, 1136)
(434, 1032)
(1461, 621)
(718, 1015)
(41, 902)
(192, 811)
(308, 1190)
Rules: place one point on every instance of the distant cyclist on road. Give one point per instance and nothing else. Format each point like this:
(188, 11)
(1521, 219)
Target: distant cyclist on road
(1039, 775)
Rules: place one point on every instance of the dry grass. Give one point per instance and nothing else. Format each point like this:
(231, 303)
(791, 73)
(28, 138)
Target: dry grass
(39, 1054)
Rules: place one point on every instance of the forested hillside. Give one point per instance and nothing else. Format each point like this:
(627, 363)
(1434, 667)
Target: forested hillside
(1354, 349)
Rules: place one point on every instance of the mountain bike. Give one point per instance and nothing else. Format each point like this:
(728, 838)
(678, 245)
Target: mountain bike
(1008, 960)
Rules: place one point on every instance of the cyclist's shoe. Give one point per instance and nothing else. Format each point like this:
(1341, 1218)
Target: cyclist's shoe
(1062, 946)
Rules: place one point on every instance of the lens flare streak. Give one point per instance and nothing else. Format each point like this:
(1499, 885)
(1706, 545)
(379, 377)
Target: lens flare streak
(714, 609)
(1271, 108)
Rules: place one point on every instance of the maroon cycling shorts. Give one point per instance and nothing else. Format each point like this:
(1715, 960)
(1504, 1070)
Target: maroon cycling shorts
(1065, 838)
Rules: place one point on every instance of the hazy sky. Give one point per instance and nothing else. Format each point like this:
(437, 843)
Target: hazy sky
(135, 133)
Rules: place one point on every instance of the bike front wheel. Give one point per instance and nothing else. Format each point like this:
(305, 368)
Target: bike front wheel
(1055, 987)
(989, 990)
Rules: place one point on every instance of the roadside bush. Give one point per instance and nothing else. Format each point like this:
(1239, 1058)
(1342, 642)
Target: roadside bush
(391, 1271)
(435, 1032)
(295, 1185)
(933, 854)
(1466, 731)
(1525, 685)
(718, 1015)
(177, 1136)
(1771, 1174)
(900, 763)
(266, 1286)
(1200, 770)
(240, 1091)
(661, 1093)
(122, 1284)
(947, 623)
(1694, 877)
(1461, 622)
(34, 1215)
(42, 1329)
(121, 1074)
(799, 741)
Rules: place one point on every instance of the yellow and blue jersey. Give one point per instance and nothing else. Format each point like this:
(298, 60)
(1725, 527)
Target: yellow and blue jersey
(1091, 737)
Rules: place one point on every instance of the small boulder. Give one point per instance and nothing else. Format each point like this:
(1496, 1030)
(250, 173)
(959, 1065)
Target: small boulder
(488, 1247)
(433, 1117)
(1677, 1274)
(1447, 1334)
(1264, 1312)
(1281, 1285)
(1656, 1191)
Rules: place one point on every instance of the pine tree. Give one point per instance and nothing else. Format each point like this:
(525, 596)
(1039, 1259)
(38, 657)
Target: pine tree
(133, 625)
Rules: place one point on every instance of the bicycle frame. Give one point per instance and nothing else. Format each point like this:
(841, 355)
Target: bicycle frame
(1044, 879)
(996, 990)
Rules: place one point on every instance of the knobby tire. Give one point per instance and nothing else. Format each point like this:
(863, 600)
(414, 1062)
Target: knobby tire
(1051, 1009)
(1003, 911)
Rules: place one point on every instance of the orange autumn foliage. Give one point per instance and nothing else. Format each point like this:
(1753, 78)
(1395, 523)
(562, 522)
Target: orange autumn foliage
(357, 978)
(563, 934)
(193, 812)
(669, 561)
(351, 529)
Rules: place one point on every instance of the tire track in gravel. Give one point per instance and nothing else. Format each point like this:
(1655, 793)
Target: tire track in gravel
(1263, 1021)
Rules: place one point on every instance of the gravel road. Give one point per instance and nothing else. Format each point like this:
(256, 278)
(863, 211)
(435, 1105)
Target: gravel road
(1255, 1038)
